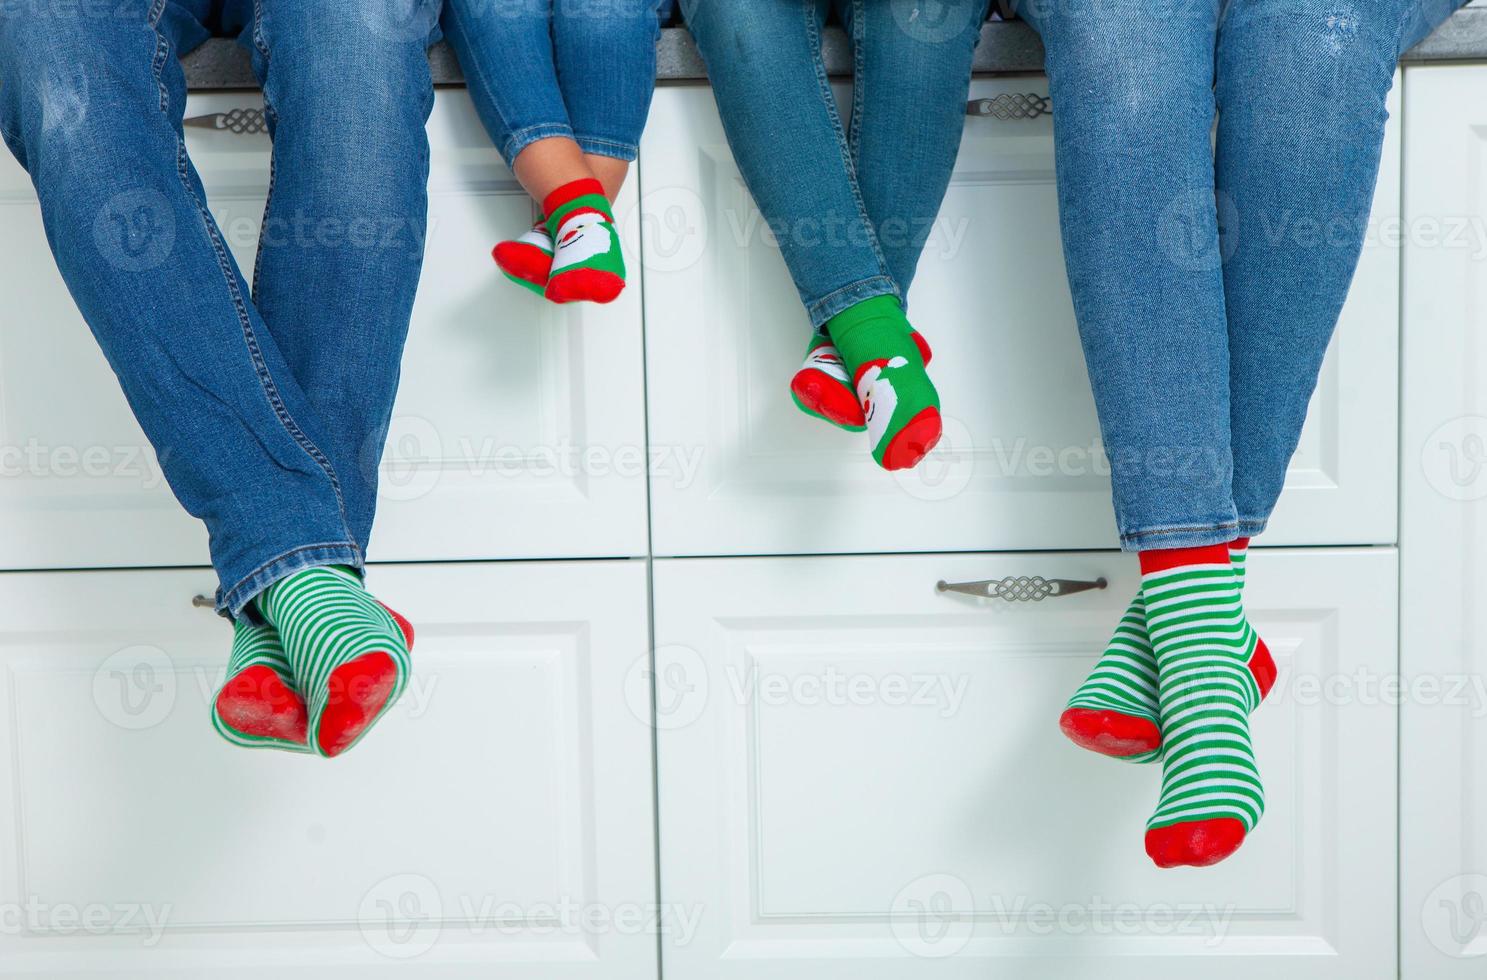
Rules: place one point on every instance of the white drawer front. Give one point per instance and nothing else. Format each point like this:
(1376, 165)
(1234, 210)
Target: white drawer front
(1020, 466)
(499, 821)
(860, 777)
(519, 430)
(1443, 796)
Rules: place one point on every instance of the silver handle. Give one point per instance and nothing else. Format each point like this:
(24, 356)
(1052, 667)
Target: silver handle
(1021, 588)
(242, 121)
(1011, 105)
(203, 602)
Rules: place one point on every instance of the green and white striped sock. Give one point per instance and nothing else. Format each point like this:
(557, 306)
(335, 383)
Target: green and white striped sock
(258, 706)
(1211, 792)
(1115, 711)
(348, 652)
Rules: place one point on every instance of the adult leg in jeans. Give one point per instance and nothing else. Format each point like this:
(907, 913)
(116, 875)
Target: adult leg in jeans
(765, 63)
(91, 101)
(1296, 241)
(512, 70)
(347, 98)
(1133, 107)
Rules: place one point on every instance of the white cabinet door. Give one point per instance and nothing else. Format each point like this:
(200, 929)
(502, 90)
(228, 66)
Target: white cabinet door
(741, 471)
(862, 778)
(520, 427)
(1443, 805)
(497, 824)
(519, 431)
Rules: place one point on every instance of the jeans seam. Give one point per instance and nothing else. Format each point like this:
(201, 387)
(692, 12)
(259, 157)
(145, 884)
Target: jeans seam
(260, 44)
(813, 35)
(224, 265)
(854, 126)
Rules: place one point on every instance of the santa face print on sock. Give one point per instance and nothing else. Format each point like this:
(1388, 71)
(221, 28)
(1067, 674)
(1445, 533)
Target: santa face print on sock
(879, 399)
(581, 238)
(826, 360)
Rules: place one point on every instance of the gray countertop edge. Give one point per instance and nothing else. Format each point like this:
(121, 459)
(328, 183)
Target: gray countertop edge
(1006, 48)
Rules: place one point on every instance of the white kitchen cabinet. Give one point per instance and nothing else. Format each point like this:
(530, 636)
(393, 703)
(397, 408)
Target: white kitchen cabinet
(861, 777)
(744, 472)
(1443, 533)
(498, 823)
(519, 430)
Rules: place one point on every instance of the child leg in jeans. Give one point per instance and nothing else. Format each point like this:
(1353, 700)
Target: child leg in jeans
(564, 90)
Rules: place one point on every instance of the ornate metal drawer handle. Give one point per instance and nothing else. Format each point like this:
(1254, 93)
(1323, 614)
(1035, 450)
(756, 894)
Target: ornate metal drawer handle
(1011, 105)
(1021, 588)
(242, 121)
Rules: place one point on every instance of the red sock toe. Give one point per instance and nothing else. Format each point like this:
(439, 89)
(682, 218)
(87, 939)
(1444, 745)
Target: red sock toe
(524, 261)
(1195, 844)
(819, 392)
(258, 704)
(914, 441)
(1110, 732)
(358, 690)
(585, 285)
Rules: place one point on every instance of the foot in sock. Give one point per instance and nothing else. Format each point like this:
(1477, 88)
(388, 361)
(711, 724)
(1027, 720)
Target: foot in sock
(900, 404)
(1211, 794)
(258, 706)
(587, 263)
(527, 261)
(1115, 711)
(822, 389)
(348, 652)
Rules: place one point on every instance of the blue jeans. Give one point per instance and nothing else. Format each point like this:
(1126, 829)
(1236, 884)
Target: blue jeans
(851, 205)
(1207, 281)
(537, 69)
(268, 412)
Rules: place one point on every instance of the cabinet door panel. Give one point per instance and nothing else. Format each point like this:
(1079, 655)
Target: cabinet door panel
(497, 823)
(519, 430)
(1443, 801)
(861, 777)
(1021, 465)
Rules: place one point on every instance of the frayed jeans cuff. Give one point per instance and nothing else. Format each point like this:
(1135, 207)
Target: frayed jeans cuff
(523, 138)
(1252, 527)
(598, 146)
(1185, 536)
(233, 602)
(836, 301)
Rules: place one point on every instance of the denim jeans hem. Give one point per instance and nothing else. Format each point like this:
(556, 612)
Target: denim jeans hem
(1184, 536)
(1252, 527)
(523, 138)
(598, 146)
(837, 300)
(231, 602)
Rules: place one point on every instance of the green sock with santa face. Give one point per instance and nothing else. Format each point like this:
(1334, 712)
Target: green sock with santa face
(886, 366)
